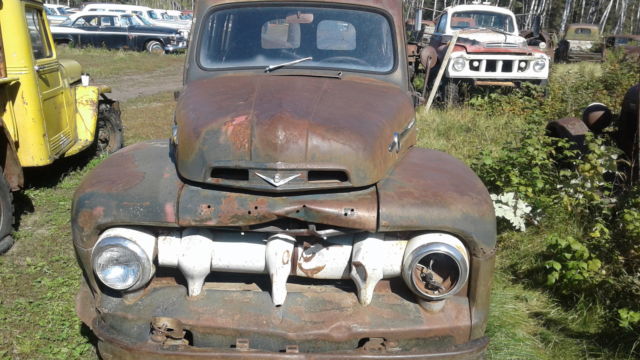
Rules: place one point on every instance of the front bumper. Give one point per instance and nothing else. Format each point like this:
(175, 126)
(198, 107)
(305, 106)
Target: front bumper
(318, 321)
(180, 46)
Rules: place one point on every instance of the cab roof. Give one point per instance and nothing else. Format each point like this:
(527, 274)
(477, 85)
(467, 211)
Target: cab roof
(491, 8)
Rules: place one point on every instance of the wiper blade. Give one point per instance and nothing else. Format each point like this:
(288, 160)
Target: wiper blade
(503, 32)
(270, 68)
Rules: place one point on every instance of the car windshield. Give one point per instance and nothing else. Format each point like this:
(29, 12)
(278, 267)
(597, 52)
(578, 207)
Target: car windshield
(63, 11)
(152, 14)
(128, 20)
(335, 38)
(143, 20)
(482, 19)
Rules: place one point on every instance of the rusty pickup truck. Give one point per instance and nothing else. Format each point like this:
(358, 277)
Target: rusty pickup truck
(290, 215)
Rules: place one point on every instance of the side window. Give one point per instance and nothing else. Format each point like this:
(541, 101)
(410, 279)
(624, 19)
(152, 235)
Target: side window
(40, 45)
(107, 21)
(442, 24)
(278, 34)
(336, 35)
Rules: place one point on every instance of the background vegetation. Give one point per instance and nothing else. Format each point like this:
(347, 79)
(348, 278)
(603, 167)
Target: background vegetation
(584, 308)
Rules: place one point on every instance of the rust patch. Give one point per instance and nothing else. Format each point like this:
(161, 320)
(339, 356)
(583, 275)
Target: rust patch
(87, 219)
(238, 131)
(111, 170)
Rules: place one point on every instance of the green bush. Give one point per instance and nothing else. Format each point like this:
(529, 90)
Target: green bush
(597, 262)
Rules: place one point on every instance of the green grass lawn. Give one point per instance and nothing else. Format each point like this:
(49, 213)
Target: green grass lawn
(39, 276)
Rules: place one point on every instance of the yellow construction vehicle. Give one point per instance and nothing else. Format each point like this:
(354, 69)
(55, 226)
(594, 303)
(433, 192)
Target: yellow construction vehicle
(47, 112)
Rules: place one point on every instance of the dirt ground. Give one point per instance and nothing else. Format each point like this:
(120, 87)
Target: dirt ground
(146, 84)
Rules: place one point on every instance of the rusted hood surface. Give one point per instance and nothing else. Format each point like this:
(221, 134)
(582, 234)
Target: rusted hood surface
(290, 122)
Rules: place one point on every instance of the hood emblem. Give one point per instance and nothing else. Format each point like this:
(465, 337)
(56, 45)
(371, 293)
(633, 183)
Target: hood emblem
(277, 181)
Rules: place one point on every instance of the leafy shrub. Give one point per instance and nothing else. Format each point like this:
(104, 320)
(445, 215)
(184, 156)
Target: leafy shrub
(599, 261)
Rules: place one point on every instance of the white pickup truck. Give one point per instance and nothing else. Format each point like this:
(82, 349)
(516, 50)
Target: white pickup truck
(488, 52)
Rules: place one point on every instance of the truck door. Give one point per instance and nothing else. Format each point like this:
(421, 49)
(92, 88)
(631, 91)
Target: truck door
(50, 83)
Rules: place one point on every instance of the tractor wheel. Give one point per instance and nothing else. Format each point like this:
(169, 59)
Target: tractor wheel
(155, 47)
(109, 137)
(6, 215)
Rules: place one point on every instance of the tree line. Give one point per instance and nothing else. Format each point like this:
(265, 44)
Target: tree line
(612, 16)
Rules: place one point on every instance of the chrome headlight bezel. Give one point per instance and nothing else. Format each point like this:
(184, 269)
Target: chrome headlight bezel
(126, 247)
(458, 64)
(539, 65)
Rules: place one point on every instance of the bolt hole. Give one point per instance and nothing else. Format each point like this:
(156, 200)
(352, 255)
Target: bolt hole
(353, 210)
(346, 214)
(255, 208)
(208, 206)
(249, 212)
(304, 206)
(297, 211)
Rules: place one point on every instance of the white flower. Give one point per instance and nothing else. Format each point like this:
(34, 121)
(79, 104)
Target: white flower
(514, 210)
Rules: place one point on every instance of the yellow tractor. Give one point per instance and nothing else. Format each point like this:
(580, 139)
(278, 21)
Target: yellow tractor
(48, 110)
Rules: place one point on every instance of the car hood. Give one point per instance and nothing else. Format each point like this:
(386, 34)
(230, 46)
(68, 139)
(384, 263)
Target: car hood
(491, 41)
(244, 130)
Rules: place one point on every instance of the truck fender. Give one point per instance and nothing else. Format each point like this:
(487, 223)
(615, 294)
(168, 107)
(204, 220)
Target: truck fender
(87, 98)
(9, 160)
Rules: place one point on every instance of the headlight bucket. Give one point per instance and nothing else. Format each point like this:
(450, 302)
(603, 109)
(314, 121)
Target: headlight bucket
(435, 266)
(458, 64)
(539, 65)
(122, 259)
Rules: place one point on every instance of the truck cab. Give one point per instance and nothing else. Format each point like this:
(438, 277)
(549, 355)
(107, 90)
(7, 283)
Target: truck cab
(46, 113)
(291, 214)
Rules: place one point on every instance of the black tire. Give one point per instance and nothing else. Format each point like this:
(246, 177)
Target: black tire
(450, 94)
(6, 215)
(154, 47)
(109, 135)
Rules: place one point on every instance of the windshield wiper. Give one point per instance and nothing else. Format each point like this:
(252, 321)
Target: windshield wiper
(270, 68)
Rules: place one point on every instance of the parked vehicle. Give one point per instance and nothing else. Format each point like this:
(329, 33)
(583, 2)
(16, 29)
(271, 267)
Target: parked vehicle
(488, 52)
(146, 13)
(117, 31)
(629, 43)
(581, 42)
(46, 113)
(53, 18)
(60, 10)
(293, 179)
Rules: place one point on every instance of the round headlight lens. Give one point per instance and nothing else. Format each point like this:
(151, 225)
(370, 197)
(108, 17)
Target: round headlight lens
(458, 64)
(120, 263)
(542, 45)
(539, 65)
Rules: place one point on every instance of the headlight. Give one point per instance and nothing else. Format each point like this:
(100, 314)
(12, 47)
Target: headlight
(522, 65)
(458, 64)
(120, 263)
(435, 266)
(539, 65)
(542, 45)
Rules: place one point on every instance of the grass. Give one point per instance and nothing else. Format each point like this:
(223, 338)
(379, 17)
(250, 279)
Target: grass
(39, 276)
(120, 64)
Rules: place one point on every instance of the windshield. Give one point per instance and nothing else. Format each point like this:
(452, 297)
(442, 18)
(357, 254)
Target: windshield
(128, 20)
(143, 20)
(152, 14)
(270, 35)
(482, 19)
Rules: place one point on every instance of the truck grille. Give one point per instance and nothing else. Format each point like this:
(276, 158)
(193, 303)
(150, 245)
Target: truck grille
(499, 66)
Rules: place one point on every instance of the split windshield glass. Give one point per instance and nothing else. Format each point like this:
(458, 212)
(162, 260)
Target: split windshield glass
(482, 19)
(335, 38)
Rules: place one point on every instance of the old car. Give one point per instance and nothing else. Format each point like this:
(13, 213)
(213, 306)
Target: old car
(581, 42)
(630, 44)
(147, 14)
(290, 215)
(53, 18)
(47, 113)
(488, 52)
(117, 31)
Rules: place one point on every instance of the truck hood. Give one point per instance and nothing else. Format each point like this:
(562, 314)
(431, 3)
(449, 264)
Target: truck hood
(255, 131)
(72, 69)
(488, 41)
